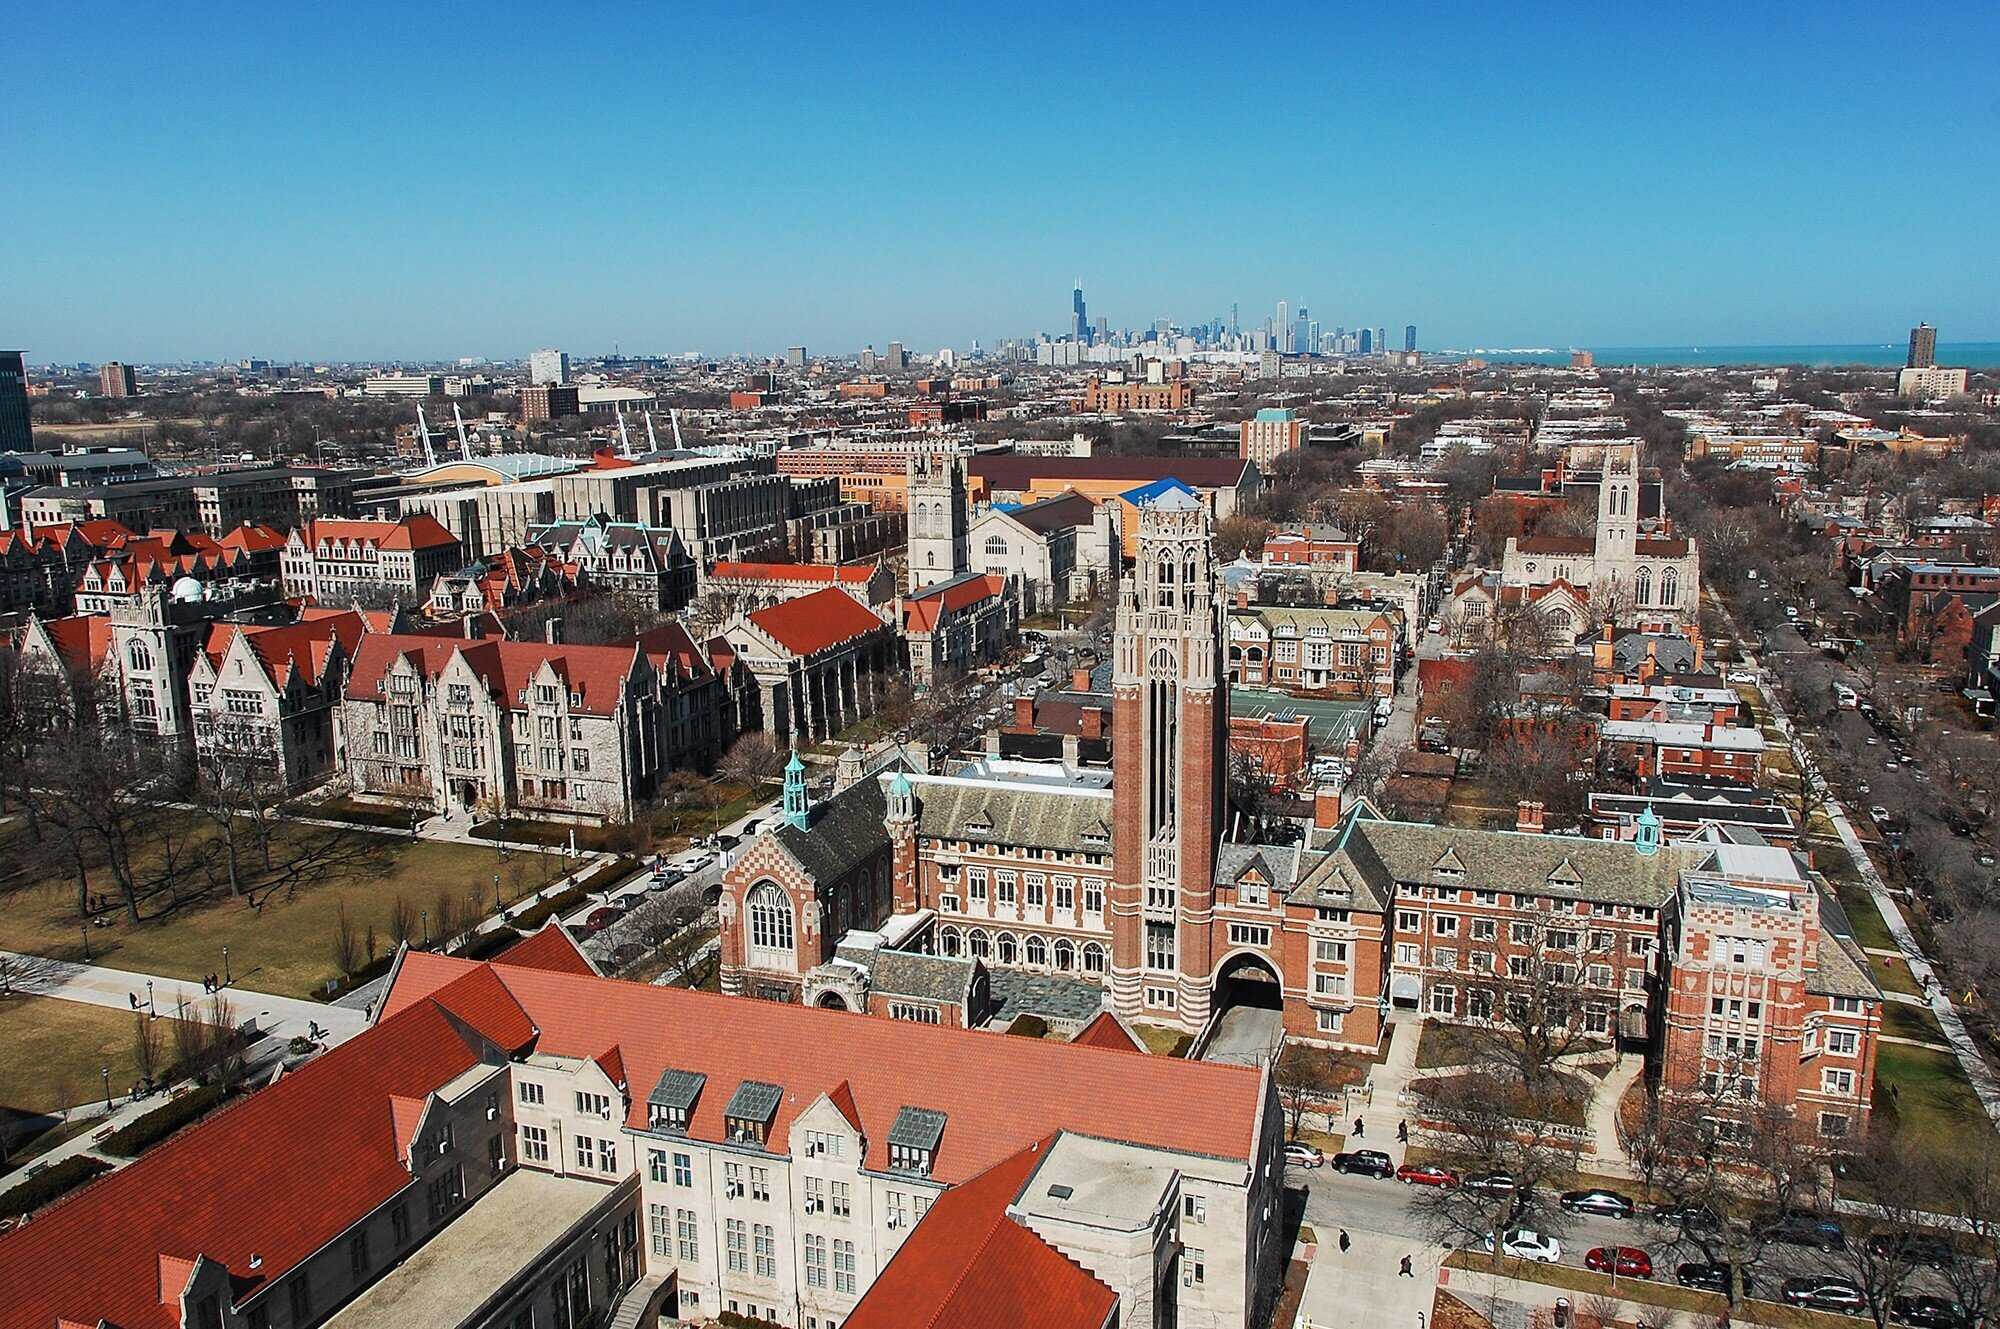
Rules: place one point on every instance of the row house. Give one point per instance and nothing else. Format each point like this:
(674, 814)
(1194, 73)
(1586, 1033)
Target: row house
(1339, 652)
(808, 667)
(757, 585)
(648, 566)
(170, 558)
(511, 579)
(491, 728)
(39, 565)
(955, 627)
(330, 559)
(266, 696)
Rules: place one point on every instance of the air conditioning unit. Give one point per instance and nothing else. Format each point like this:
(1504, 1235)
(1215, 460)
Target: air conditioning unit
(493, 1114)
(895, 1221)
(812, 1148)
(735, 1190)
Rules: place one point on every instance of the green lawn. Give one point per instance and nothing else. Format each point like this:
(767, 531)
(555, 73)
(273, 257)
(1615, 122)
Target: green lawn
(53, 1053)
(1926, 1095)
(1903, 1020)
(281, 935)
(1893, 975)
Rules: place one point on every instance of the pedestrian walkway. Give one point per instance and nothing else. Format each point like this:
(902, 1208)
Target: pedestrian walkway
(120, 989)
(1388, 1082)
(1367, 1280)
(1602, 1116)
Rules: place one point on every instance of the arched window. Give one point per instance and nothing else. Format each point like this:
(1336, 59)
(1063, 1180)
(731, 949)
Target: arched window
(979, 944)
(1006, 950)
(1167, 580)
(1642, 586)
(1065, 957)
(1189, 576)
(1036, 951)
(1093, 958)
(997, 544)
(770, 918)
(138, 656)
(1670, 587)
(950, 943)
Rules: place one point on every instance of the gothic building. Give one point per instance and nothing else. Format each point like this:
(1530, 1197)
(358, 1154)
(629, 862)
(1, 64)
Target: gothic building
(940, 520)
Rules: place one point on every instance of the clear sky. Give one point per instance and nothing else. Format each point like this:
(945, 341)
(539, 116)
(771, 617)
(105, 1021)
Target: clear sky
(366, 180)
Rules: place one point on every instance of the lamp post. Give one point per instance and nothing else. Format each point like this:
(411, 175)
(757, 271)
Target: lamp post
(106, 1073)
(424, 917)
(151, 1009)
(84, 929)
(498, 900)
(225, 965)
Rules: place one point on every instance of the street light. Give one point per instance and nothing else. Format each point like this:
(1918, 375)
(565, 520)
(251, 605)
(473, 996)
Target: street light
(106, 1073)
(424, 916)
(84, 928)
(225, 966)
(151, 1009)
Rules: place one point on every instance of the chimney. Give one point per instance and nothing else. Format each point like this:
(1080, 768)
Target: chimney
(1708, 731)
(1024, 713)
(553, 632)
(1079, 680)
(1326, 808)
(1242, 597)
(1092, 722)
(1528, 817)
(1072, 750)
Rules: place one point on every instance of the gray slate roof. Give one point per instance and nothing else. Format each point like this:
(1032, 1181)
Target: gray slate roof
(754, 1100)
(677, 1089)
(930, 977)
(1038, 818)
(844, 832)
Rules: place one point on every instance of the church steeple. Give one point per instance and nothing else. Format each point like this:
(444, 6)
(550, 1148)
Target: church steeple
(1647, 841)
(798, 802)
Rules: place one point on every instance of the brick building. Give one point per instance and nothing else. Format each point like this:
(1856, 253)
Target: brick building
(1102, 398)
(1313, 545)
(1272, 433)
(329, 559)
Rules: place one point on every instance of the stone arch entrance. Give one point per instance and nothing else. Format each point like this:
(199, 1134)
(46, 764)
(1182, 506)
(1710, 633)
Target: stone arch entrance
(831, 1000)
(1248, 979)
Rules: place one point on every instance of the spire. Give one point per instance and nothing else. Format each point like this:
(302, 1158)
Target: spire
(902, 798)
(1647, 842)
(798, 803)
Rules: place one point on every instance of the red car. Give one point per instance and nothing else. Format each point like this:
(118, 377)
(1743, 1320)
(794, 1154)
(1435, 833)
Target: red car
(1630, 1260)
(1426, 1175)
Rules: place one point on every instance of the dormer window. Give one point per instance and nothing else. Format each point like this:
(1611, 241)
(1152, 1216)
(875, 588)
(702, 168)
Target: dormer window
(913, 1140)
(752, 1108)
(670, 1106)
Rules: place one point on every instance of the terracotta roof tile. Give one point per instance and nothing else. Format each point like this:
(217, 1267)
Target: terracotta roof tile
(852, 574)
(816, 622)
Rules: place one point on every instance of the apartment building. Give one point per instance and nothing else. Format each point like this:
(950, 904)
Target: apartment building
(484, 727)
(330, 559)
(1314, 545)
(1272, 433)
(1100, 397)
(1340, 652)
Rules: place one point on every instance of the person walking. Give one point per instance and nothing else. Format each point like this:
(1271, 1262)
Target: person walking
(1356, 1132)
(1402, 1132)
(1344, 1242)
(1404, 1272)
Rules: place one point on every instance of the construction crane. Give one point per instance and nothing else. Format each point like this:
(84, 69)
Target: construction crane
(464, 445)
(424, 434)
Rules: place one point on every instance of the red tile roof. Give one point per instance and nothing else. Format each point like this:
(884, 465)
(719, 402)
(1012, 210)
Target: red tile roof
(552, 948)
(417, 531)
(596, 672)
(923, 609)
(235, 1187)
(300, 648)
(670, 642)
(852, 574)
(82, 640)
(969, 1266)
(1200, 1107)
(817, 621)
(1106, 1032)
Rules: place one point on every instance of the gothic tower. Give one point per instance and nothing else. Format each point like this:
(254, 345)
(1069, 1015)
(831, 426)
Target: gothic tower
(1617, 520)
(939, 519)
(1170, 740)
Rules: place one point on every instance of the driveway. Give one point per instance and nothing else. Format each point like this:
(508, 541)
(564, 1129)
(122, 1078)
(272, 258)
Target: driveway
(1246, 1036)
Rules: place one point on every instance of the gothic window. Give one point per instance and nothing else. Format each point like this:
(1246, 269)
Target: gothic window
(996, 545)
(1642, 586)
(1190, 577)
(1006, 948)
(1065, 956)
(1167, 580)
(979, 944)
(1093, 958)
(949, 943)
(138, 656)
(1036, 952)
(770, 918)
(1670, 587)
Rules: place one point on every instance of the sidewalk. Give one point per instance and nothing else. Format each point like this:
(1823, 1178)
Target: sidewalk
(1387, 1083)
(1603, 1115)
(114, 988)
(1365, 1285)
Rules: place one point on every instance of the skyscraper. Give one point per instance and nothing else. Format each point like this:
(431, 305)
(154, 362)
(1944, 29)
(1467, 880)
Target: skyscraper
(16, 433)
(1382, 340)
(1367, 341)
(116, 380)
(795, 356)
(899, 359)
(1079, 320)
(548, 367)
(1410, 337)
(1923, 347)
(1284, 325)
(1302, 339)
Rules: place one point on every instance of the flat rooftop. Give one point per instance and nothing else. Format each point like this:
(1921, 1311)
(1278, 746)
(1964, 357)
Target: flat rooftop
(453, 1275)
(1103, 1183)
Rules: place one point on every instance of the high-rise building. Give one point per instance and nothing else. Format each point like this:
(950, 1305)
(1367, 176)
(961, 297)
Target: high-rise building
(1382, 340)
(867, 359)
(1410, 337)
(549, 401)
(115, 380)
(795, 356)
(939, 519)
(899, 359)
(1367, 341)
(1079, 321)
(1923, 347)
(1302, 332)
(548, 367)
(1284, 325)
(16, 433)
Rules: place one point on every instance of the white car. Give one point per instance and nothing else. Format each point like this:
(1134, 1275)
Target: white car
(1748, 676)
(1526, 1244)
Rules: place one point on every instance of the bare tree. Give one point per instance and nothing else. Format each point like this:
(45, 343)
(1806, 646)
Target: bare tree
(345, 947)
(1475, 1123)
(1970, 1186)
(402, 920)
(146, 1045)
(752, 759)
(1893, 1177)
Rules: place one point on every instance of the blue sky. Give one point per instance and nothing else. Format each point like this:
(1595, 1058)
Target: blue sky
(366, 180)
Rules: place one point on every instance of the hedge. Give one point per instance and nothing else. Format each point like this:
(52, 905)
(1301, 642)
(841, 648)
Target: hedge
(51, 1183)
(157, 1125)
(537, 914)
(388, 818)
(486, 945)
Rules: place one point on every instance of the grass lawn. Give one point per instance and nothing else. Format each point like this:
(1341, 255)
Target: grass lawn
(1869, 927)
(1926, 1095)
(1162, 1041)
(281, 935)
(1647, 1292)
(1903, 1020)
(53, 1052)
(1442, 1045)
(1892, 975)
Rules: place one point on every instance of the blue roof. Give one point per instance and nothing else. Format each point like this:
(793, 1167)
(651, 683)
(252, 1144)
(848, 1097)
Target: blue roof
(1276, 415)
(1153, 492)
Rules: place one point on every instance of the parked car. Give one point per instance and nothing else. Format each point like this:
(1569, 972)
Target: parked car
(1707, 1276)
(1698, 1216)
(1300, 1154)
(1797, 1228)
(1625, 1261)
(1838, 1295)
(1608, 1203)
(1748, 676)
(603, 917)
(1491, 1183)
(1526, 1244)
(1365, 1163)
(1923, 1311)
(1923, 1248)
(1426, 1175)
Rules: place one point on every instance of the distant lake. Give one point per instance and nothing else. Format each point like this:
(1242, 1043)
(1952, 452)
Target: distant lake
(1873, 355)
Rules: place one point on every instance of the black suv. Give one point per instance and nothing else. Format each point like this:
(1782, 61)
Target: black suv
(1365, 1162)
(1797, 1228)
(1923, 1311)
(1708, 1277)
(1913, 1248)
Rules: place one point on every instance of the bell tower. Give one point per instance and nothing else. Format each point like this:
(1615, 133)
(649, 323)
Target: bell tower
(939, 519)
(1170, 740)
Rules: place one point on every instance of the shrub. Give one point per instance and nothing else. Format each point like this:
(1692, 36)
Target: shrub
(1029, 1025)
(486, 945)
(535, 915)
(51, 1183)
(157, 1125)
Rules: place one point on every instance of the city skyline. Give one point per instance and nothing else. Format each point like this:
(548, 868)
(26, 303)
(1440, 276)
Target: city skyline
(334, 198)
